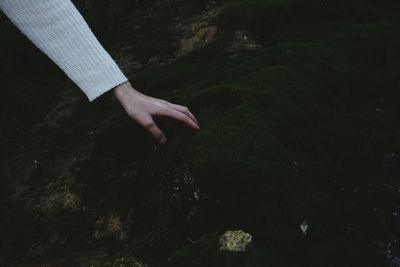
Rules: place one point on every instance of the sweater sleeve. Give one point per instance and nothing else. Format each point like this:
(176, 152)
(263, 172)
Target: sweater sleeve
(58, 29)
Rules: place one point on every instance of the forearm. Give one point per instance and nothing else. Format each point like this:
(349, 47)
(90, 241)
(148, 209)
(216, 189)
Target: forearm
(57, 28)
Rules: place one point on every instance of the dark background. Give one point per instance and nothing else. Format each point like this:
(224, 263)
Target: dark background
(298, 102)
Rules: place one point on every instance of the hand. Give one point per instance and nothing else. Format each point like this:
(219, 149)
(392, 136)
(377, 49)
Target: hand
(141, 108)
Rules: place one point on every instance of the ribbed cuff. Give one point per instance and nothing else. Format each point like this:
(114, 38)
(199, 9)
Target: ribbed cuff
(105, 86)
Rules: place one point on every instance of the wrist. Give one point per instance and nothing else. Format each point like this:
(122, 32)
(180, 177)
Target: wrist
(124, 91)
(121, 89)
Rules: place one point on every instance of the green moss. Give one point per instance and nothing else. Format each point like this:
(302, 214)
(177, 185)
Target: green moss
(282, 129)
(205, 252)
(287, 133)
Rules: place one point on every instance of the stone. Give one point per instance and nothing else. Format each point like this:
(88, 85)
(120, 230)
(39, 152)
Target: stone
(236, 241)
(202, 37)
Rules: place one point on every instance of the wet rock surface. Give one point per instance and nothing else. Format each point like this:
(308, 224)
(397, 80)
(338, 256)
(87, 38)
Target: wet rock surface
(298, 103)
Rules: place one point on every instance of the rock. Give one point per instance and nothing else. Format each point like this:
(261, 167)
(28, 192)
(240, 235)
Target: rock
(202, 37)
(236, 241)
(72, 201)
(111, 226)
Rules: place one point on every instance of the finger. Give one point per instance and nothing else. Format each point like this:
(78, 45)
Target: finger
(153, 129)
(185, 110)
(177, 115)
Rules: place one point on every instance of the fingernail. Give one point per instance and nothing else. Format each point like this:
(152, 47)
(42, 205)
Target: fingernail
(163, 140)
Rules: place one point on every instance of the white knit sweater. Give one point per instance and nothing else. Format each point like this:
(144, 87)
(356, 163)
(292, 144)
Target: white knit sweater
(57, 28)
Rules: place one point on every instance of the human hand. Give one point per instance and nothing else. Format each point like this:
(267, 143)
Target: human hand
(142, 108)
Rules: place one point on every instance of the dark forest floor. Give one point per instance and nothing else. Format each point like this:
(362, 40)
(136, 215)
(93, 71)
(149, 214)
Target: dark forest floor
(298, 103)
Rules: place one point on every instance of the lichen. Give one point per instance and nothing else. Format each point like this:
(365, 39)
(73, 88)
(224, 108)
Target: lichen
(235, 241)
(72, 201)
(111, 225)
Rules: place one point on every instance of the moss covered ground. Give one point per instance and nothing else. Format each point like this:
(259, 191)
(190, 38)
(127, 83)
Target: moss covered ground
(305, 127)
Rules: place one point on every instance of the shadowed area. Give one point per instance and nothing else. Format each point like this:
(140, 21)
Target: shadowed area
(298, 103)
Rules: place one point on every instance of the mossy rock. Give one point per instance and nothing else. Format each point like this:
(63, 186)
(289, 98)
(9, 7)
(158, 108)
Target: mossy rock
(269, 149)
(288, 131)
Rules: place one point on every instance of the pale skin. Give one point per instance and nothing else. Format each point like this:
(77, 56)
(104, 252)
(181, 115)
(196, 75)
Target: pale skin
(142, 108)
